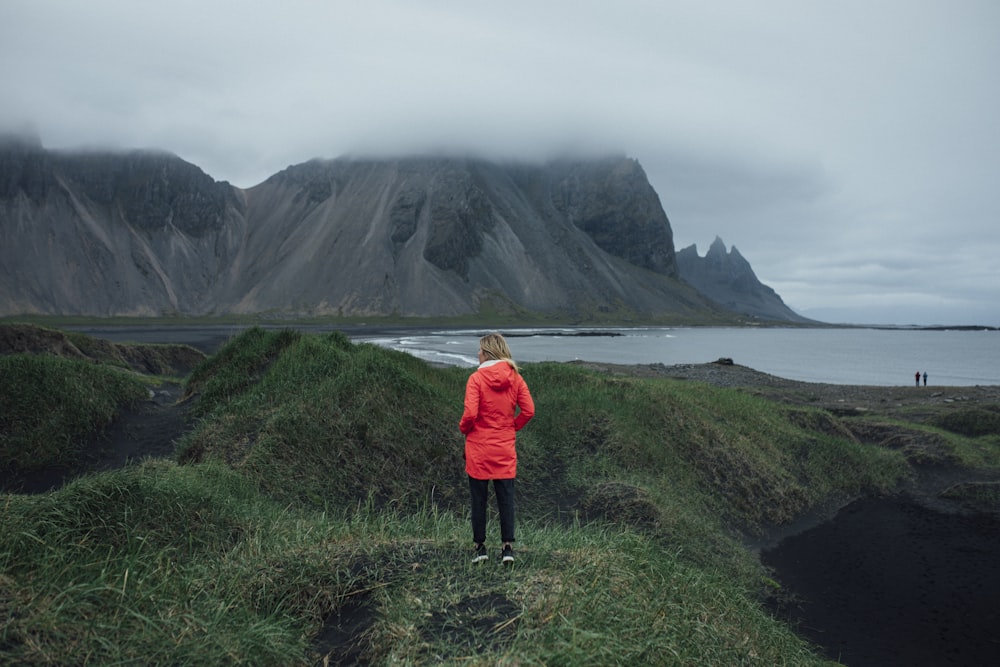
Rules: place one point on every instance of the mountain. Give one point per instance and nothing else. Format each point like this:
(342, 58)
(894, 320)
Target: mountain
(442, 237)
(728, 279)
(146, 233)
(140, 233)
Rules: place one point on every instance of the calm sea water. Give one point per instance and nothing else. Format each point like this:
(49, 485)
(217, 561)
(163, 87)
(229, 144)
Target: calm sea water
(838, 356)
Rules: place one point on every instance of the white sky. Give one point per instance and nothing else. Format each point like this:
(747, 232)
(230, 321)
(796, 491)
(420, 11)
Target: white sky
(850, 149)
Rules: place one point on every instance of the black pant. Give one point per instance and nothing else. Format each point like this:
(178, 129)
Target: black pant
(479, 491)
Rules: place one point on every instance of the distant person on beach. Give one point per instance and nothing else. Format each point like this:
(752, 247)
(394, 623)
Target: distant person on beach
(925, 378)
(917, 379)
(497, 404)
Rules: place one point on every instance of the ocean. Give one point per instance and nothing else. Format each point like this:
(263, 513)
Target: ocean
(882, 357)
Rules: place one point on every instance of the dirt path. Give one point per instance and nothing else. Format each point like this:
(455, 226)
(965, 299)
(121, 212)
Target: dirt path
(149, 430)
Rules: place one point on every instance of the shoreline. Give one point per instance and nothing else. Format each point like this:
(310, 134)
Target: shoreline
(210, 338)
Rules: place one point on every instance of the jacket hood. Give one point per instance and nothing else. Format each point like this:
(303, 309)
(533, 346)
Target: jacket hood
(498, 374)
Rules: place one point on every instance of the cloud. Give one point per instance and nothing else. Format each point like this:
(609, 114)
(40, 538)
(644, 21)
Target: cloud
(849, 150)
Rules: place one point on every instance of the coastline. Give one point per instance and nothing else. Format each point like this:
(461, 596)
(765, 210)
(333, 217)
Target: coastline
(835, 355)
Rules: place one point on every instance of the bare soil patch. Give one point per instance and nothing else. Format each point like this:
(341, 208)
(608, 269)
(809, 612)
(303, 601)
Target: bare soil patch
(149, 429)
(891, 581)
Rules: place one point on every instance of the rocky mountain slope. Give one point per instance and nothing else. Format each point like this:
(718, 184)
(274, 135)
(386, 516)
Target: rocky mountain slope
(145, 233)
(112, 234)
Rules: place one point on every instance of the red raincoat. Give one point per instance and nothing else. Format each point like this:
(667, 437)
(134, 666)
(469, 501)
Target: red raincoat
(489, 422)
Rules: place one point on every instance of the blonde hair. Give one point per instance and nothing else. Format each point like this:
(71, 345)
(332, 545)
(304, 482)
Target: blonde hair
(494, 346)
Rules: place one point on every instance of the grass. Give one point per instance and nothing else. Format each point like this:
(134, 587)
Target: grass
(340, 420)
(973, 422)
(166, 359)
(51, 404)
(138, 566)
(318, 507)
(166, 564)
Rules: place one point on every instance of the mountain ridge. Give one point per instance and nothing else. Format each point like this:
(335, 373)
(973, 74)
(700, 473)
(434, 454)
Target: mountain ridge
(144, 233)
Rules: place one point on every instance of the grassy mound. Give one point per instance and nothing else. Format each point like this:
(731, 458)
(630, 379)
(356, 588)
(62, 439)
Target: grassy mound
(973, 422)
(142, 565)
(58, 389)
(318, 421)
(318, 508)
(52, 403)
(161, 564)
(23, 338)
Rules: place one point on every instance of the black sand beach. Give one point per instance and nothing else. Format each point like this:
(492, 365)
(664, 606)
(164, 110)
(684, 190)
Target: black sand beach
(890, 582)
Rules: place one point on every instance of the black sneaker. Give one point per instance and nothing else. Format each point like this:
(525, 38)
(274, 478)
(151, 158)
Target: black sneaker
(507, 555)
(480, 554)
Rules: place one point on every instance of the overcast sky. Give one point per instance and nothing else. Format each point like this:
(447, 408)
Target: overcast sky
(849, 149)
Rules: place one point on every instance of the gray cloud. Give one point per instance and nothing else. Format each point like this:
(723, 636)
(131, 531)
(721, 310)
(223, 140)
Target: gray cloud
(849, 150)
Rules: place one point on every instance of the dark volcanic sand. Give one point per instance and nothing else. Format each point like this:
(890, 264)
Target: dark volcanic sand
(149, 430)
(890, 582)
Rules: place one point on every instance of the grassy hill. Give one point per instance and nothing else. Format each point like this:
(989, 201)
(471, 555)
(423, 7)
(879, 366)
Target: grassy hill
(317, 508)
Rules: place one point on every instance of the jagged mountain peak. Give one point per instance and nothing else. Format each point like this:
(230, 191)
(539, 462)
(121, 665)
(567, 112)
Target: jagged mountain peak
(727, 277)
(718, 247)
(728, 261)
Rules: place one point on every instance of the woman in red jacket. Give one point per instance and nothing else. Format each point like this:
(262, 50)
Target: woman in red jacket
(493, 395)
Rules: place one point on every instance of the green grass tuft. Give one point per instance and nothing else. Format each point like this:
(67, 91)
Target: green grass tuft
(51, 404)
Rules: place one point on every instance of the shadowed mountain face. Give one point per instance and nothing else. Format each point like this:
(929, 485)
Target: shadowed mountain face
(100, 234)
(727, 278)
(148, 234)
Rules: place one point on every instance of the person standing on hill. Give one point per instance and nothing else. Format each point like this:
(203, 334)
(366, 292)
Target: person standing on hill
(918, 378)
(497, 405)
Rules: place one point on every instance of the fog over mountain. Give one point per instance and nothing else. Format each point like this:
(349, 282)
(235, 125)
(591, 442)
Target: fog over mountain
(849, 149)
(146, 233)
